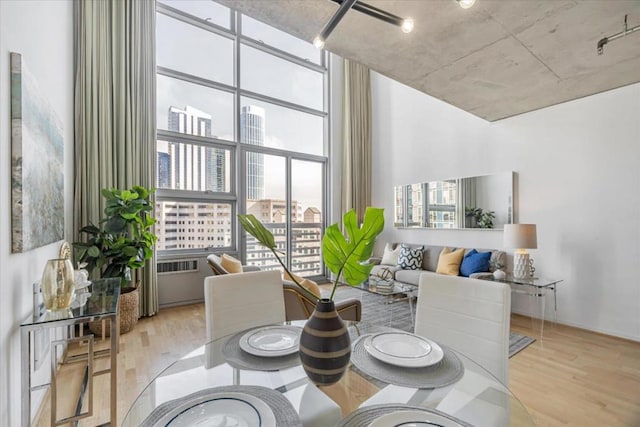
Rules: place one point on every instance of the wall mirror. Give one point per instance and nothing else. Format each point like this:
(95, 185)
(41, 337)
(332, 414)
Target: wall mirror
(484, 201)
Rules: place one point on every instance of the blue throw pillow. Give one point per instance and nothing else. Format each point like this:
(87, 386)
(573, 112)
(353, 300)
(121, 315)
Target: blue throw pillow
(474, 262)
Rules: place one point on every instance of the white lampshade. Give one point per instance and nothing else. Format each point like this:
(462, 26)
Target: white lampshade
(520, 236)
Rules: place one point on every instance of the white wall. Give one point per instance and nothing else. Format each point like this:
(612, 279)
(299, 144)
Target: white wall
(42, 31)
(578, 173)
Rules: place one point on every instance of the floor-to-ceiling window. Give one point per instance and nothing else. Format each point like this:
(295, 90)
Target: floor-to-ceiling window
(242, 127)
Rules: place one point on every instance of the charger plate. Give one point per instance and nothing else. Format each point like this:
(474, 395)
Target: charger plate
(221, 409)
(238, 358)
(403, 349)
(447, 371)
(283, 412)
(374, 416)
(271, 341)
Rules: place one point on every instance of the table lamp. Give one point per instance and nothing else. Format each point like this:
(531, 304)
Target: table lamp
(521, 237)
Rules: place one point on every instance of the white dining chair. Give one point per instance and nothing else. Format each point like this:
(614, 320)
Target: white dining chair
(234, 302)
(471, 316)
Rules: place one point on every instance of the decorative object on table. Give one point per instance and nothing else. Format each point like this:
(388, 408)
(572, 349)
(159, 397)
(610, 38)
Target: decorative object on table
(82, 283)
(37, 164)
(532, 269)
(384, 274)
(57, 284)
(499, 274)
(398, 414)
(497, 266)
(120, 245)
(65, 250)
(206, 407)
(325, 347)
(443, 373)
(521, 237)
(382, 280)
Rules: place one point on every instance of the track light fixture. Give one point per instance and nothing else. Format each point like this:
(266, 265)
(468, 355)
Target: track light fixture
(466, 4)
(406, 25)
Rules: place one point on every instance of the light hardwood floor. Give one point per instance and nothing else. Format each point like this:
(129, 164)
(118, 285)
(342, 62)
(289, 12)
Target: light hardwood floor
(571, 378)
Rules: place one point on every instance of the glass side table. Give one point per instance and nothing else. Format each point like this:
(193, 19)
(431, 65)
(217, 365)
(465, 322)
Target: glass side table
(536, 288)
(101, 305)
(394, 290)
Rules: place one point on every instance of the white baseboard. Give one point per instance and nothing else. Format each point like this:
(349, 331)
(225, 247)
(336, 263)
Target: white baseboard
(603, 331)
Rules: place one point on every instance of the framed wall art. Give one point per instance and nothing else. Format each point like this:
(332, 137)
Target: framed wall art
(37, 164)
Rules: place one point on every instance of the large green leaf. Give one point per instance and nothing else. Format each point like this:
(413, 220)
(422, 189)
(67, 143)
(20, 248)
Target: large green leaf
(347, 258)
(253, 226)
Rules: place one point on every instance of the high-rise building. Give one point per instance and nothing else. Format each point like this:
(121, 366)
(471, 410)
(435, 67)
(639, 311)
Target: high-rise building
(164, 169)
(191, 166)
(252, 131)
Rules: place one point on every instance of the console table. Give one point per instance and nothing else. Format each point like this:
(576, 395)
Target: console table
(101, 305)
(534, 287)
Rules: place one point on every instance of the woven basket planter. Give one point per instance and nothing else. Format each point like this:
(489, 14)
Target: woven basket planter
(128, 312)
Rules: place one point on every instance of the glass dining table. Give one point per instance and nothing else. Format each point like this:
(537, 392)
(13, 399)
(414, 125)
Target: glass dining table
(472, 398)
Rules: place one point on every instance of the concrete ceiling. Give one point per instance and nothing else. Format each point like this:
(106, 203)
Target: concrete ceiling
(498, 59)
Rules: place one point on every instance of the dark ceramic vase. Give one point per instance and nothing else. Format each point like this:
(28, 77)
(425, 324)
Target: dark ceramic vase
(325, 346)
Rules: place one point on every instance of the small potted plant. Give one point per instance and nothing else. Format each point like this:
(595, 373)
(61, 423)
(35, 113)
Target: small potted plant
(347, 258)
(119, 246)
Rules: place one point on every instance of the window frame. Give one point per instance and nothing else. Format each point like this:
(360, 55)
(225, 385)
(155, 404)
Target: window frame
(238, 150)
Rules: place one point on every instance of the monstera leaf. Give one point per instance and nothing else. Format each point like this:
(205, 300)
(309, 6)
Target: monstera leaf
(348, 257)
(253, 226)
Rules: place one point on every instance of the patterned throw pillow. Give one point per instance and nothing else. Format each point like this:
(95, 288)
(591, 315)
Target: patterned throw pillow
(410, 258)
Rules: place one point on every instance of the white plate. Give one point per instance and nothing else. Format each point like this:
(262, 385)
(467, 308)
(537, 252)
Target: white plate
(411, 418)
(403, 349)
(271, 341)
(224, 409)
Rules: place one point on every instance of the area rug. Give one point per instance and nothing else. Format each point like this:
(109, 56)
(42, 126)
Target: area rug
(377, 310)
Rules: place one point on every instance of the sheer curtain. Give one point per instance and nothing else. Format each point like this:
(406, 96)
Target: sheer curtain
(114, 110)
(357, 144)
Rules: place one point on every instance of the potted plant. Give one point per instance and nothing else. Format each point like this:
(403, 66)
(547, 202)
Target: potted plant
(477, 218)
(120, 245)
(486, 219)
(326, 358)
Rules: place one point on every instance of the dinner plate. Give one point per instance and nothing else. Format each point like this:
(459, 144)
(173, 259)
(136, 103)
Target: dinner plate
(403, 349)
(412, 418)
(271, 341)
(224, 409)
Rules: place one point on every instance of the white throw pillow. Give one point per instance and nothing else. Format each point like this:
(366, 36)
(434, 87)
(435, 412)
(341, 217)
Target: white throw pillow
(390, 256)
